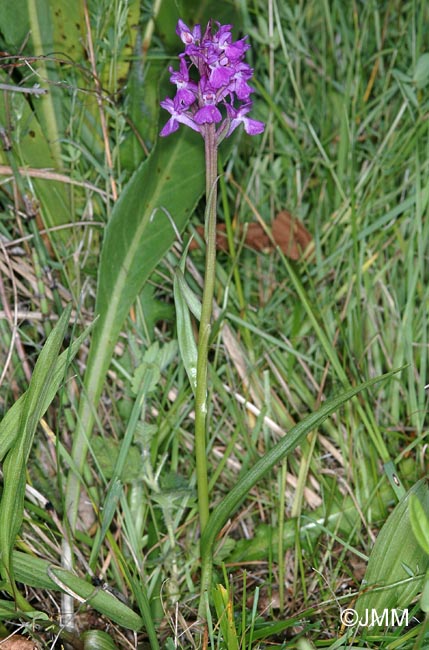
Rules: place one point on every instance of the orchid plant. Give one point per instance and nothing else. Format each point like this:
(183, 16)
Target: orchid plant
(213, 97)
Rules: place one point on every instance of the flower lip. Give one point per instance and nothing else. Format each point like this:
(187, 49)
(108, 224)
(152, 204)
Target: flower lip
(208, 114)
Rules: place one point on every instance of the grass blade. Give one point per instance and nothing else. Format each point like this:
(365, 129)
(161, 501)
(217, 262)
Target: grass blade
(14, 467)
(9, 426)
(287, 444)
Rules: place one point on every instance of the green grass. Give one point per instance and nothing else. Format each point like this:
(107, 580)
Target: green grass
(343, 88)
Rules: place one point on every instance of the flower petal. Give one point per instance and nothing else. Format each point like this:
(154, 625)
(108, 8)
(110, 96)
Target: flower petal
(208, 114)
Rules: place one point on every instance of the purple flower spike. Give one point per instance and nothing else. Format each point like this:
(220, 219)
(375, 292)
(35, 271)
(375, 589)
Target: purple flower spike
(217, 63)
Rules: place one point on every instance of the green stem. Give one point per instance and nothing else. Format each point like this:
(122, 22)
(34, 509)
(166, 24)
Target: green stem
(205, 327)
(203, 348)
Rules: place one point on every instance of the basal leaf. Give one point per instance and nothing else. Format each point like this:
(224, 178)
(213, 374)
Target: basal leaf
(419, 523)
(39, 573)
(165, 187)
(397, 564)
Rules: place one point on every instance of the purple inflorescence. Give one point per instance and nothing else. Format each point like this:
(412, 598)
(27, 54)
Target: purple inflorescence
(221, 93)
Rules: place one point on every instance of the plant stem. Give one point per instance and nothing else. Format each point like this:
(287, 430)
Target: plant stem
(202, 362)
(205, 327)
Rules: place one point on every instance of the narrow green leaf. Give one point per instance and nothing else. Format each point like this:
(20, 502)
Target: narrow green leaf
(29, 411)
(338, 521)
(331, 353)
(9, 426)
(38, 573)
(14, 467)
(294, 437)
(185, 334)
(225, 614)
(191, 299)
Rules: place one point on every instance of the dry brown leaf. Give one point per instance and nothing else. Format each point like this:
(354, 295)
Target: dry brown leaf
(289, 234)
(18, 642)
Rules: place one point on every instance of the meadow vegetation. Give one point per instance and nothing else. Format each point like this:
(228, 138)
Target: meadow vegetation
(99, 528)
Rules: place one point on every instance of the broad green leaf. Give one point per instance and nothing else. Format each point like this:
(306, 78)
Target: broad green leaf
(155, 360)
(421, 72)
(166, 20)
(49, 110)
(419, 523)
(106, 450)
(250, 478)
(98, 640)
(15, 24)
(38, 573)
(141, 96)
(30, 148)
(57, 32)
(51, 34)
(139, 233)
(14, 467)
(424, 598)
(397, 564)
(202, 12)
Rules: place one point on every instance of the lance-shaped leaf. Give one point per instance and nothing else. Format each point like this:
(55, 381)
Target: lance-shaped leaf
(165, 187)
(397, 564)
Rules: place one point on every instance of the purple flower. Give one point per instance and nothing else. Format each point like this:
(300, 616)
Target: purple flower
(223, 38)
(221, 93)
(220, 72)
(186, 35)
(177, 116)
(242, 74)
(238, 116)
(208, 112)
(186, 90)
